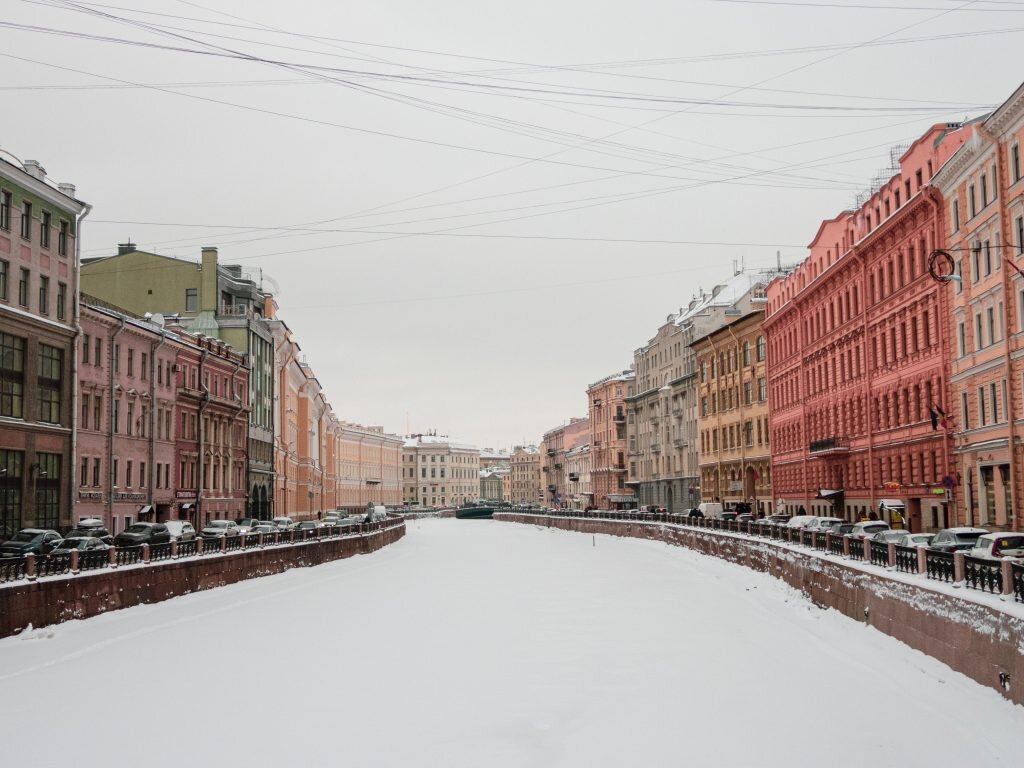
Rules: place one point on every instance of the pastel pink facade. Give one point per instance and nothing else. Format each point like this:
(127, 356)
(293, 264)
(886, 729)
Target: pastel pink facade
(125, 448)
(608, 469)
(983, 187)
(857, 355)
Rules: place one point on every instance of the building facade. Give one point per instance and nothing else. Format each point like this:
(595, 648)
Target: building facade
(439, 472)
(554, 446)
(578, 474)
(982, 186)
(661, 418)
(524, 479)
(39, 225)
(209, 299)
(608, 442)
(858, 349)
(368, 466)
(735, 458)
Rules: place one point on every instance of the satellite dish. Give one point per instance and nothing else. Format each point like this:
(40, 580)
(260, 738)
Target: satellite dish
(157, 318)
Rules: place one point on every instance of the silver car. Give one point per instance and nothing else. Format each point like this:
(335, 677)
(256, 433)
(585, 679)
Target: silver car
(219, 529)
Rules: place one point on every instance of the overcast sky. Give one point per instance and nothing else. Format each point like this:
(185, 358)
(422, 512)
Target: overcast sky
(572, 172)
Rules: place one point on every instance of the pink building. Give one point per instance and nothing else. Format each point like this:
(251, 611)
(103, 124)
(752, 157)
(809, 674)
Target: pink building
(211, 425)
(857, 355)
(125, 446)
(607, 420)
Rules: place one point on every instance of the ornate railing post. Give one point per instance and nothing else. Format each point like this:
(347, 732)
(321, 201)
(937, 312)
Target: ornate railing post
(922, 560)
(846, 546)
(73, 561)
(958, 569)
(30, 567)
(145, 553)
(200, 544)
(1007, 569)
(892, 555)
(112, 557)
(174, 550)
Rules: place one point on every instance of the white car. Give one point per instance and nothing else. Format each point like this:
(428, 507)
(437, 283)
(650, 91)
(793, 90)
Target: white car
(801, 521)
(995, 546)
(284, 523)
(822, 524)
(867, 528)
(919, 540)
(218, 529)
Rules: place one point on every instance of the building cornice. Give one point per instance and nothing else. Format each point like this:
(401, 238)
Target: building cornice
(961, 160)
(1010, 110)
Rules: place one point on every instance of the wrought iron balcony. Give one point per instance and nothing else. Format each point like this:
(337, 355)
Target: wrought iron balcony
(574, 476)
(619, 417)
(829, 445)
(656, 447)
(552, 451)
(619, 467)
(679, 443)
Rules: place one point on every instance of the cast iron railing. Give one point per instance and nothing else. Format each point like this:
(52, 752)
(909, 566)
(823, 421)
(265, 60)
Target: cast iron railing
(986, 575)
(879, 553)
(939, 565)
(12, 568)
(906, 559)
(856, 548)
(128, 555)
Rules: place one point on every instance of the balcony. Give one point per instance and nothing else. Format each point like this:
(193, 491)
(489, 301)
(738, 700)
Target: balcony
(545, 468)
(618, 467)
(558, 466)
(634, 451)
(655, 447)
(679, 443)
(552, 451)
(619, 417)
(655, 419)
(574, 477)
(829, 446)
(677, 411)
(552, 488)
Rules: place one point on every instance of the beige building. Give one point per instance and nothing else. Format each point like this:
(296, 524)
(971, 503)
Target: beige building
(367, 465)
(661, 421)
(439, 472)
(524, 480)
(579, 493)
(732, 418)
(556, 443)
(492, 483)
(608, 408)
(493, 458)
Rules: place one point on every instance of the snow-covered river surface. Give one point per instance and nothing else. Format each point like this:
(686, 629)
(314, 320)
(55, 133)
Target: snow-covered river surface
(487, 644)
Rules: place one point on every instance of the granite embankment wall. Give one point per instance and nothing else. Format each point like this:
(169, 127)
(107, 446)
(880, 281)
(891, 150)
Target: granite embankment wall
(981, 641)
(55, 599)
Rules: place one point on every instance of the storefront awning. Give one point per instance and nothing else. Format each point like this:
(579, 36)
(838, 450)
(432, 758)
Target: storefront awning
(621, 498)
(894, 504)
(826, 493)
(146, 510)
(187, 507)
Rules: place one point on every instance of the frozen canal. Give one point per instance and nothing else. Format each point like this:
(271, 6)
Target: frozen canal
(485, 644)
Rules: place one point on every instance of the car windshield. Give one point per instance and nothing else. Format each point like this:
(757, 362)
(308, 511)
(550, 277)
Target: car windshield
(921, 538)
(136, 529)
(217, 524)
(23, 537)
(72, 544)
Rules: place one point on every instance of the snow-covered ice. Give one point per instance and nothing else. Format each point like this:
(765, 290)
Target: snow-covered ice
(487, 644)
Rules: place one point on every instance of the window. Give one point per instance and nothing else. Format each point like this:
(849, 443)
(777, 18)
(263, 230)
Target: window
(4, 269)
(97, 407)
(44, 229)
(981, 407)
(972, 202)
(12, 375)
(964, 412)
(128, 474)
(746, 353)
(762, 389)
(62, 238)
(51, 367)
(984, 190)
(142, 474)
(117, 359)
(956, 215)
(44, 295)
(84, 479)
(26, 220)
(62, 299)
(95, 473)
(23, 288)
(47, 481)
(961, 345)
(990, 322)
(143, 366)
(85, 348)
(117, 416)
(5, 210)
(85, 411)
(994, 401)
(11, 463)
(1020, 235)
(191, 299)
(978, 341)
(760, 349)
(131, 361)
(748, 392)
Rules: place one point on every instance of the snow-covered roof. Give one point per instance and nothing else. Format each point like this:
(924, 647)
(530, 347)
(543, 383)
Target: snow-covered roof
(418, 441)
(730, 292)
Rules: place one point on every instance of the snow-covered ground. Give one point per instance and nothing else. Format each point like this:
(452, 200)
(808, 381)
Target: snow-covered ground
(486, 644)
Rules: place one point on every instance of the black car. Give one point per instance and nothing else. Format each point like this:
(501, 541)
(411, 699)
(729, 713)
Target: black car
(695, 513)
(142, 533)
(34, 541)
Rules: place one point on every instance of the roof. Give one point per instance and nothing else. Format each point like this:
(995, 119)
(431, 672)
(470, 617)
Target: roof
(729, 293)
(418, 441)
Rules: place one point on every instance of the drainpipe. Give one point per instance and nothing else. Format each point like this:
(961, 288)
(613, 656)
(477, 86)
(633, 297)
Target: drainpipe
(110, 420)
(152, 417)
(76, 321)
(204, 401)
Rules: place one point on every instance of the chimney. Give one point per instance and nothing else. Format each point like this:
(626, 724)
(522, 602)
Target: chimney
(123, 248)
(34, 169)
(66, 189)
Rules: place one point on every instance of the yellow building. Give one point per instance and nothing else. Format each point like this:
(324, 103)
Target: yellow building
(735, 458)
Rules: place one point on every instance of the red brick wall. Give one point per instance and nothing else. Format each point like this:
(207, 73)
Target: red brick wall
(53, 600)
(979, 641)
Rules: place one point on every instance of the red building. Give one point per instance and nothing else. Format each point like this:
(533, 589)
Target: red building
(211, 422)
(857, 356)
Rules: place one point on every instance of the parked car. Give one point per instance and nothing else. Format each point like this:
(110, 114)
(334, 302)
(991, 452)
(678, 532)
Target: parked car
(30, 541)
(778, 519)
(695, 513)
(181, 530)
(867, 528)
(219, 529)
(284, 523)
(352, 520)
(992, 546)
(800, 521)
(956, 539)
(247, 523)
(92, 526)
(307, 525)
(840, 528)
(822, 524)
(142, 533)
(914, 539)
(891, 535)
(710, 508)
(81, 543)
(744, 517)
(264, 528)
